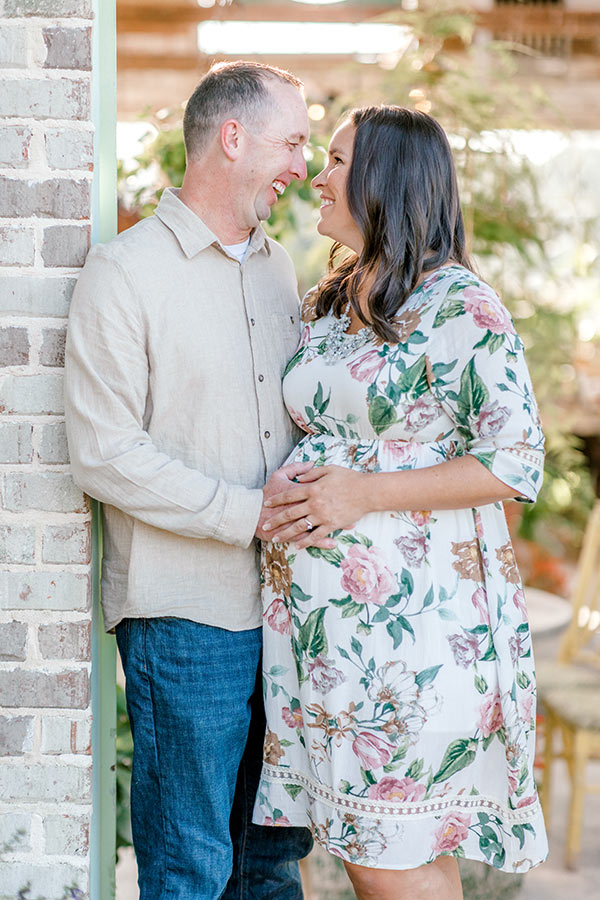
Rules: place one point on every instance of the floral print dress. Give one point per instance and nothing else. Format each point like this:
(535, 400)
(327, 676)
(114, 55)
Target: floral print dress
(398, 671)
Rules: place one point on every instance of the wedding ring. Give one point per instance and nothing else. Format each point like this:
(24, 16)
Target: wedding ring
(309, 525)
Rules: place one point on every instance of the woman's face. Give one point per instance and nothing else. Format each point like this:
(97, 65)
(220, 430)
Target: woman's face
(336, 221)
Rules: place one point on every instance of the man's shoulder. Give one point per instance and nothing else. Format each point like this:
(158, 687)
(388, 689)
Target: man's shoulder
(278, 252)
(135, 245)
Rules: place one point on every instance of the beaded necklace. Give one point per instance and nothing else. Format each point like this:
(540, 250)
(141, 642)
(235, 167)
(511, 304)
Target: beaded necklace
(338, 344)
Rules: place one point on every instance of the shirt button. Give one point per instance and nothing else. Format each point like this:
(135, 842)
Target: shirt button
(267, 434)
(261, 377)
(252, 321)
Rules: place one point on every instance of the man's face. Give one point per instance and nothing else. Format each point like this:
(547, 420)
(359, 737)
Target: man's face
(272, 157)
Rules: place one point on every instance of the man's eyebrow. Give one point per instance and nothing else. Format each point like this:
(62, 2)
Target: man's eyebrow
(298, 135)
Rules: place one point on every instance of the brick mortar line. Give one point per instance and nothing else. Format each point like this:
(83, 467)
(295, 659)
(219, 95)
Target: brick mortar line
(28, 174)
(31, 418)
(45, 568)
(35, 368)
(53, 666)
(50, 271)
(26, 468)
(50, 517)
(30, 369)
(38, 242)
(25, 221)
(27, 320)
(34, 331)
(81, 761)
(79, 715)
(17, 517)
(36, 616)
(38, 73)
(39, 469)
(44, 860)
(84, 125)
(59, 20)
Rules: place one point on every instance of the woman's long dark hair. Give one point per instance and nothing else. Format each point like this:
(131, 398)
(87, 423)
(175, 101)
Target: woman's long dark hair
(403, 195)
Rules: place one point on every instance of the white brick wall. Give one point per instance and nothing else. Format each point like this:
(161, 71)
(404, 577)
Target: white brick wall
(45, 186)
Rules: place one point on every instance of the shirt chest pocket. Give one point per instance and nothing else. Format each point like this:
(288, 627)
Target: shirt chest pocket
(283, 337)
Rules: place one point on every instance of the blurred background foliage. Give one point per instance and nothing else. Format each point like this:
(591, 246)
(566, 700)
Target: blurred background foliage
(509, 230)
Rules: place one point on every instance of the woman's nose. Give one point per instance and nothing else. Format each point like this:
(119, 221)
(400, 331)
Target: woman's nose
(318, 180)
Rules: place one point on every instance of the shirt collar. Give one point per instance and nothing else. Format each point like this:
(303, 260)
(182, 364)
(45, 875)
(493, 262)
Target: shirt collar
(192, 234)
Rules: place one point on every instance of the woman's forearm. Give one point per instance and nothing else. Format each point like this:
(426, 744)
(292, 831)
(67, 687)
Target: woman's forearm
(329, 498)
(456, 484)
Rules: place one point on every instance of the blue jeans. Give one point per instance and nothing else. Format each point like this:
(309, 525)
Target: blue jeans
(195, 706)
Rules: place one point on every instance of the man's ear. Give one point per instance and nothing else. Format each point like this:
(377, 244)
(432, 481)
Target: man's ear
(231, 138)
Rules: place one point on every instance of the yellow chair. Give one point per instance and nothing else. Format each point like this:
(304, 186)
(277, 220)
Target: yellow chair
(570, 690)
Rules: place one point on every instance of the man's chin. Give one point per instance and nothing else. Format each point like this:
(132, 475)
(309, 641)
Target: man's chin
(263, 213)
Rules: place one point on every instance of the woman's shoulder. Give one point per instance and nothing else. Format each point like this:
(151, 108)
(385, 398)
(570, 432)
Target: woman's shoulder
(457, 292)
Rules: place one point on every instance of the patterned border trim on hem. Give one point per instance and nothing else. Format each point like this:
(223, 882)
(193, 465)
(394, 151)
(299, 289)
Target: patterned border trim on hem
(392, 811)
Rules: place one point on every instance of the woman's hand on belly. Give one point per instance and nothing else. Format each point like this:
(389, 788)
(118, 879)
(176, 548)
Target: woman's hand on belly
(328, 498)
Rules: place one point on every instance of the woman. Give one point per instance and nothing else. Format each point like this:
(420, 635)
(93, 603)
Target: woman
(399, 679)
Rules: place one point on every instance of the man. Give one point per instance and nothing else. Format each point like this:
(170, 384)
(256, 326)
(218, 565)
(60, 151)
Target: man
(179, 332)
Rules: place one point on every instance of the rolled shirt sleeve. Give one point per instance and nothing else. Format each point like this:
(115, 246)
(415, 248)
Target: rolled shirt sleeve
(113, 457)
(478, 373)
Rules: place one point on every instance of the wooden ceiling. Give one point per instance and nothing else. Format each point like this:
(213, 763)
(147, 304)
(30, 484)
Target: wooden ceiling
(159, 63)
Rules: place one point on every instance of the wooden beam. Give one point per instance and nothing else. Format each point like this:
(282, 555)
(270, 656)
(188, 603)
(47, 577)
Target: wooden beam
(551, 22)
(171, 15)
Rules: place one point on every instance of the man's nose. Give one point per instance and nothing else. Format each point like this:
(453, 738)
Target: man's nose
(299, 166)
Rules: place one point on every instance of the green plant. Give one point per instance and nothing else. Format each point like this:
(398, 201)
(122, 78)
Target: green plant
(124, 762)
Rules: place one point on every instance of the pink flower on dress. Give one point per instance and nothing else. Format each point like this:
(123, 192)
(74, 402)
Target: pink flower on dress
(527, 705)
(278, 617)
(298, 419)
(516, 646)
(421, 413)
(479, 601)
(413, 548)
(403, 453)
(323, 674)
(281, 820)
(465, 648)
(490, 715)
(492, 419)
(487, 311)
(390, 788)
(368, 366)
(421, 517)
(519, 601)
(452, 831)
(292, 717)
(365, 575)
(372, 750)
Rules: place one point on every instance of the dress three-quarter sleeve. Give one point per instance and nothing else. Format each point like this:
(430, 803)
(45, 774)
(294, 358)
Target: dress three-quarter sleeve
(478, 373)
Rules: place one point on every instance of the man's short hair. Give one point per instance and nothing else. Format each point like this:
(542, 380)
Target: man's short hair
(237, 90)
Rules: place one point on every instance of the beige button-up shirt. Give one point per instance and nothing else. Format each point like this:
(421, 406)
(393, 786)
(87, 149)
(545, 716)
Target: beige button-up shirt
(175, 418)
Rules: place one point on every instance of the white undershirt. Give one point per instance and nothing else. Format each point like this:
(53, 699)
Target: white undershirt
(238, 250)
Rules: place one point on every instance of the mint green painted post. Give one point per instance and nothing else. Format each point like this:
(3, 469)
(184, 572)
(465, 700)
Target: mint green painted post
(104, 227)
